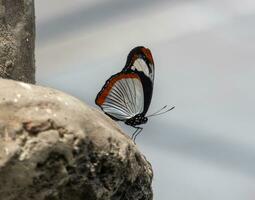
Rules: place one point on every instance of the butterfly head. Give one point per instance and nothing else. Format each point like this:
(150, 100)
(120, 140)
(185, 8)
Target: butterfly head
(136, 120)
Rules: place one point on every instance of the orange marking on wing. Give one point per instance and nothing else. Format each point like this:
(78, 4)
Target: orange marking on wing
(100, 100)
(148, 54)
(134, 58)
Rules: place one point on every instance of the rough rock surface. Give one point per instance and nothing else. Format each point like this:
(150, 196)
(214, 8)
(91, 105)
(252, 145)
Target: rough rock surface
(17, 40)
(54, 147)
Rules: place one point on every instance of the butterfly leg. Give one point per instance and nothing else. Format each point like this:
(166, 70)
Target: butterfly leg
(134, 133)
(137, 132)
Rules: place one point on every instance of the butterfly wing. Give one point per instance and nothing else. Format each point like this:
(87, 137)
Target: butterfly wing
(141, 62)
(140, 59)
(122, 96)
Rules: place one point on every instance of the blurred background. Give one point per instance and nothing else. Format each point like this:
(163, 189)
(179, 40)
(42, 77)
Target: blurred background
(204, 52)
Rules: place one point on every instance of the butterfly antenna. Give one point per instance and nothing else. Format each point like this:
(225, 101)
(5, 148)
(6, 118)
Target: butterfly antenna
(164, 112)
(159, 111)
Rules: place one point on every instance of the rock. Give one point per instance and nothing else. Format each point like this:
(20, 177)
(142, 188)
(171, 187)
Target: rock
(17, 40)
(54, 147)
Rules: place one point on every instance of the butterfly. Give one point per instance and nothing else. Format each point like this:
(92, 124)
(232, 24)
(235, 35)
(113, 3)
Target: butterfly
(126, 96)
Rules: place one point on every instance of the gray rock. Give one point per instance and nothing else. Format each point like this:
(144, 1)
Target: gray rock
(17, 40)
(54, 147)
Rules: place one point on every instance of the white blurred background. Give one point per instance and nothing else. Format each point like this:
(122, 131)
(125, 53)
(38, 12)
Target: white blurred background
(204, 52)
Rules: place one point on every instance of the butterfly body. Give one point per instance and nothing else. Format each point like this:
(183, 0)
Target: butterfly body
(137, 120)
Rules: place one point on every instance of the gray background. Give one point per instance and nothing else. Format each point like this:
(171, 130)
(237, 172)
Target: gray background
(204, 55)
